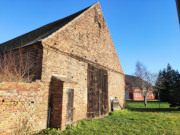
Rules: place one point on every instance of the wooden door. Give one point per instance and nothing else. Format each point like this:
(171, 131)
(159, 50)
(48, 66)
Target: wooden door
(97, 92)
(70, 108)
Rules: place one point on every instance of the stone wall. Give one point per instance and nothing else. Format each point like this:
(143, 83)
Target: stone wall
(24, 107)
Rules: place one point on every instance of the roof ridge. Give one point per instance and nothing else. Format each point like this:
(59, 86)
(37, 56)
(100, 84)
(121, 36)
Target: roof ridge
(66, 25)
(39, 33)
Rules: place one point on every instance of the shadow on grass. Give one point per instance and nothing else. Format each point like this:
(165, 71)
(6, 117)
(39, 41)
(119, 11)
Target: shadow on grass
(153, 109)
(153, 106)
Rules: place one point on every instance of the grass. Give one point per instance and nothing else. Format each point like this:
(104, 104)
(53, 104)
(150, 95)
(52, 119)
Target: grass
(134, 120)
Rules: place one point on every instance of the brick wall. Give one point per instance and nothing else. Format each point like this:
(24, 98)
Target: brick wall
(117, 88)
(87, 36)
(67, 52)
(57, 64)
(23, 106)
(55, 102)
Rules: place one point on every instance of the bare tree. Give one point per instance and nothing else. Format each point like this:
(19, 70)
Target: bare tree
(16, 66)
(145, 80)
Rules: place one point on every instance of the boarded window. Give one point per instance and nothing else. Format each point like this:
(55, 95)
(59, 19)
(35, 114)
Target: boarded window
(70, 108)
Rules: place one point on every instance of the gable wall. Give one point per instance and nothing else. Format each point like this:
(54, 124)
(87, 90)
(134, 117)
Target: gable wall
(87, 36)
(67, 50)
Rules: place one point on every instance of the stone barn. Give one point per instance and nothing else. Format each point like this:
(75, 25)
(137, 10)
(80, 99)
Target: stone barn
(77, 58)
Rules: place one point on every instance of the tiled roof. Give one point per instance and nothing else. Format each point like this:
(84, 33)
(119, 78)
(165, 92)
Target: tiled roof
(38, 34)
(131, 80)
(136, 81)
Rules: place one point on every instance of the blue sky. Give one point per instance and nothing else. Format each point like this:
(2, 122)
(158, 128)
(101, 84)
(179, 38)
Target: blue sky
(142, 30)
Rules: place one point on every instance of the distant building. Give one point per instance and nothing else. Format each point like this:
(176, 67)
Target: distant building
(133, 92)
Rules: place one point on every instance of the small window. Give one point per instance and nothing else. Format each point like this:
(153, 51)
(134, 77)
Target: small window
(139, 94)
(152, 94)
(135, 94)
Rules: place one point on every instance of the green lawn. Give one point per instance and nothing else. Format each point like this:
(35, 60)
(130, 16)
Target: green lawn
(135, 119)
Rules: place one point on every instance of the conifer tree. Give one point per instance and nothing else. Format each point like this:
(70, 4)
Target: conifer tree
(168, 85)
